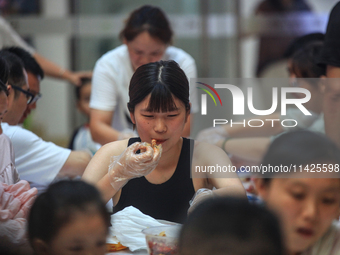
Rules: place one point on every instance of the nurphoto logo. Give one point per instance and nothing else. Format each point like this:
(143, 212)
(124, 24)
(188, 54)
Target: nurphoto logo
(241, 99)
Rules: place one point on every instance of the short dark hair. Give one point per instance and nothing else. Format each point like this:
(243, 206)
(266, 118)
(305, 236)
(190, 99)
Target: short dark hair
(3, 75)
(163, 80)
(16, 75)
(54, 208)
(30, 64)
(304, 61)
(226, 225)
(300, 42)
(150, 19)
(84, 81)
(300, 148)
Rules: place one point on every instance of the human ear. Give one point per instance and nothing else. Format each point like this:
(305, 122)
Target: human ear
(9, 89)
(322, 83)
(40, 247)
(187, 114)
(261, 188)
(132, 116)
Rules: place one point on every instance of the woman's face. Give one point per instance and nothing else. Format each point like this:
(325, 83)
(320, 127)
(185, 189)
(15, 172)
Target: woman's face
(84, 234)
(145, 49)
(306, 207)
(83, 103)
(165, 127)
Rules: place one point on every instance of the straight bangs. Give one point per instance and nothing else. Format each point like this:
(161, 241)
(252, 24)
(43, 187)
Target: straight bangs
(161, 99)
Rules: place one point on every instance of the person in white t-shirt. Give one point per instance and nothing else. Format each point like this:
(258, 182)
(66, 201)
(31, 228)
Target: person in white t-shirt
(147, 36)
(37, 161)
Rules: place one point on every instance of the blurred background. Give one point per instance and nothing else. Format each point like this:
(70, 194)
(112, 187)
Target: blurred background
(227, 38)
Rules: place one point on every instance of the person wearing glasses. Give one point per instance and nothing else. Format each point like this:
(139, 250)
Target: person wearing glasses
(34, 75)
(18, 89)
(37, 161)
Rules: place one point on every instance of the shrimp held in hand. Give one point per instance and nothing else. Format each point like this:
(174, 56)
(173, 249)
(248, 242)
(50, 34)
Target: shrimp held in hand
(131, 164)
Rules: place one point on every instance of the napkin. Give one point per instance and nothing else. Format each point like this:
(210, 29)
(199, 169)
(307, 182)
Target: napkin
(127, 226)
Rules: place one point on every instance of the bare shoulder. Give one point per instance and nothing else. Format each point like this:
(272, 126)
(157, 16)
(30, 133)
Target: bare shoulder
(98, 165)
(113, 148)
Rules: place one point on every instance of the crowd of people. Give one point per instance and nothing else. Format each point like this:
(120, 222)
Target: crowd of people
(135, 150)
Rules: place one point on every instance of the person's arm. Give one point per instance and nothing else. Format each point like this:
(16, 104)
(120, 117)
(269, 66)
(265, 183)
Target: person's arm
(111, 174)
(97, 170)
(55, 71)
(331, 106)
(100, 126)
(252, 149)
(75, 164)
(225, 183)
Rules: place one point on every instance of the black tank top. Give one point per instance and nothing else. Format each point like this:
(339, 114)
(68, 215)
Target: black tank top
(166, 201)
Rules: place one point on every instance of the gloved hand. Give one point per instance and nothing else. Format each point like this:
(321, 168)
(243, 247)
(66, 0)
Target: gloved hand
(129, 164)
(199, 196)
(212, 135)
(126, 134)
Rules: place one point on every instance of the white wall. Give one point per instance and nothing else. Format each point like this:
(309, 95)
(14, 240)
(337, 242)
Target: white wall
(52, 116)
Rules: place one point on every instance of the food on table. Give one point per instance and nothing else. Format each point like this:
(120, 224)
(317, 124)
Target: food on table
(115, 247)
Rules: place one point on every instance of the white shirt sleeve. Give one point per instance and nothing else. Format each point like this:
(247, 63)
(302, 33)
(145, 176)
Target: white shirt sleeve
(37, 161)
(103, 92)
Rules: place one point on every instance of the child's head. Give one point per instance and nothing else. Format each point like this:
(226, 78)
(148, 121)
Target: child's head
(232, 226)
(83, 94)
(304, 67)
(298, 44)
(69, 217)
(304, 61)
(306, 206)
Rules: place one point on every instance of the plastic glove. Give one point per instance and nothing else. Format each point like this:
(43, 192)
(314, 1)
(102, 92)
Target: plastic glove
(131, 165)
(212, 135)
(126, 134)
(199, 196)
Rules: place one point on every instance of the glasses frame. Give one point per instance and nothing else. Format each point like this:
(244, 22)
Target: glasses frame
(28, 94)
(36, 97)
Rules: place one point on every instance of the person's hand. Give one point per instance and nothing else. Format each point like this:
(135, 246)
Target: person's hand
(75, 77)
(126, 134)
(212, 135)
(131, 164)
(200, 195)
